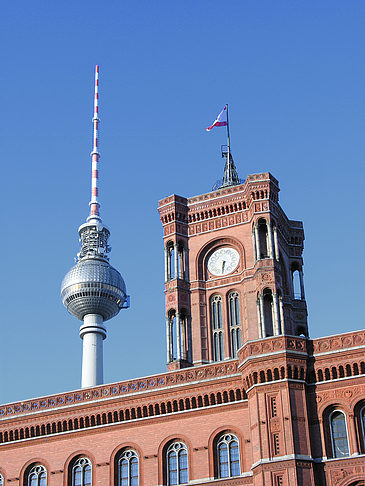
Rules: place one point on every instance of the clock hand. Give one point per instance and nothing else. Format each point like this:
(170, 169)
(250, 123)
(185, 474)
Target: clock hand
(223, 264)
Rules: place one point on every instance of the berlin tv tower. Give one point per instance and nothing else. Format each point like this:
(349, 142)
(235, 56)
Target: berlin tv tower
(93, 291)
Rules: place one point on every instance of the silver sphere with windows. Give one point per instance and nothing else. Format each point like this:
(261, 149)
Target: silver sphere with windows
(93, 286)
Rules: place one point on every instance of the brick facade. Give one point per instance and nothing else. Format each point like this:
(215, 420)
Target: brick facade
(281, 396)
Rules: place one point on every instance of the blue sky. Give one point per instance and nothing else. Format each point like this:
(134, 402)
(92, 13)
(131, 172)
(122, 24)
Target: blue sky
(293, 75)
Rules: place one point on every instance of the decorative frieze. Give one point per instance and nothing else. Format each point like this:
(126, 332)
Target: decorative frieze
(338, 393)
(274, 344)
(343, 471)
(343, 341)
(119, 389)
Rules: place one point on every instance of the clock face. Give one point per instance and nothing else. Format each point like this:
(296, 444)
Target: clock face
(223, 261)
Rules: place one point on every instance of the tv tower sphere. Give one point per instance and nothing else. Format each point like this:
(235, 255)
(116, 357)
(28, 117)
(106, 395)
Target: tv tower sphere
(93, 286)
(93, 291)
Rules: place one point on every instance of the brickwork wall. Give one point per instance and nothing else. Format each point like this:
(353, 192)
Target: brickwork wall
(280, 423)
(147, 436)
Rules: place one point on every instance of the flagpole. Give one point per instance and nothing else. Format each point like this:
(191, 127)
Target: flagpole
(228, 144)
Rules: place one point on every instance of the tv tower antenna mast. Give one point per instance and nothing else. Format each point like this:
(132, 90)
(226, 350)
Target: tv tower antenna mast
(94, 291)
(94, 203)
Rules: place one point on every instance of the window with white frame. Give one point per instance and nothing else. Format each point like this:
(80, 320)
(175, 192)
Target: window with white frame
(37, 476)
(81, 472)
(217, 327)
(228, 456)
(177, 464)
(339, 436)
(234, 322)
(128, 468)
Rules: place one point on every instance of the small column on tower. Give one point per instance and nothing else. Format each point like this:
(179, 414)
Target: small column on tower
(176, 261)
(186, 257)
(276, 243)
(276, 315)
(262, 314)
(281, 308)
(257, 241)
(169, 339)
(166, 254)
(301, 280)
(178, 337)
(270, 245)
(183, 321)
(180, 266)
(259, 318)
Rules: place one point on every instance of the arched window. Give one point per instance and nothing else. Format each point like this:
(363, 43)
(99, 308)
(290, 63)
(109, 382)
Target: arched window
(217, 327)
(297, 281)
(234, 322)
(268, 313)
(170, 261)
(339, 439)
(181, 263)
(184, 335)
(362, 426)
(228, 456)
(296, 284)
(128, 470)
(263, 239)
(81, 472)
(178, 335)
(177, 464)
(37, 476)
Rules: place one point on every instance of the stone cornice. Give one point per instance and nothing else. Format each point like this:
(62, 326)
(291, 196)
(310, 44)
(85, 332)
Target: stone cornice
(338, 342)
(272, 346)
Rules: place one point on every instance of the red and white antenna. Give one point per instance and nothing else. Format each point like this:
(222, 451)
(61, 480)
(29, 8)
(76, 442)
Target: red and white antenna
(94, 204)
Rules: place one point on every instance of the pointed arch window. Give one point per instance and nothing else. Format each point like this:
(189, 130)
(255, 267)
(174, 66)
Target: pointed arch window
(177, 464)
(37, 476)
(128, 468)
(234, 322)
(228, 456)
(339, 437)
(217, 327)
(81, 472)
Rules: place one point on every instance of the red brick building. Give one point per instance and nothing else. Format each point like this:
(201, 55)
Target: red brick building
(248, 398)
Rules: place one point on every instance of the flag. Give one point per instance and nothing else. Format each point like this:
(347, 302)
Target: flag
(221, 120)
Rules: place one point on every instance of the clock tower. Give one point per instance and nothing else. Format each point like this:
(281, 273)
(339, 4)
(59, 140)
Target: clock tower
(233, 270)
